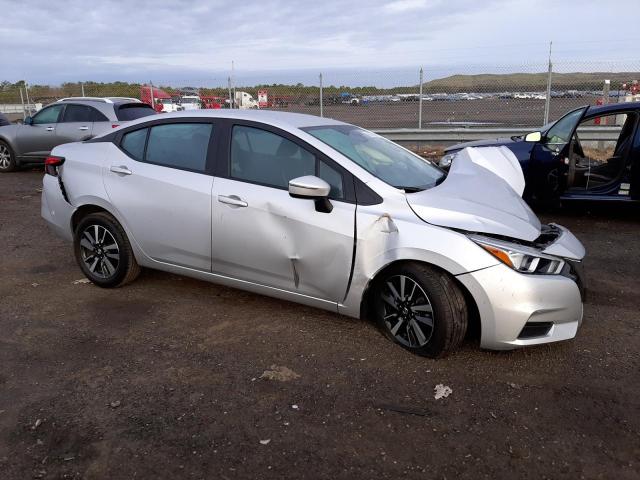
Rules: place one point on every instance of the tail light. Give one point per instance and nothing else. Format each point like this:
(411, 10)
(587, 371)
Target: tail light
(51, 164)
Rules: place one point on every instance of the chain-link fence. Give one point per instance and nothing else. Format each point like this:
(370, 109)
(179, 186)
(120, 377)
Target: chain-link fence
(474, 96)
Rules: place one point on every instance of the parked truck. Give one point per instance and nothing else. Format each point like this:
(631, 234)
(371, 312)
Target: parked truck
(244, 100)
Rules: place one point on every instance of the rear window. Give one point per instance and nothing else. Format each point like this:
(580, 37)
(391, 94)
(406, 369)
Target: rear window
(132, 111)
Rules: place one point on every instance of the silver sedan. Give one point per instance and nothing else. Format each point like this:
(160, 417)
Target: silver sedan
(322, 213)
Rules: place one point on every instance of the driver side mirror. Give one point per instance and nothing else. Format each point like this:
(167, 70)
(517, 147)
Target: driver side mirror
(312, 188)
(28, 121)
(533, 137)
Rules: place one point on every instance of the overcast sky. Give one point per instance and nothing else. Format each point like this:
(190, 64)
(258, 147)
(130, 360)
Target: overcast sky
(54, 41)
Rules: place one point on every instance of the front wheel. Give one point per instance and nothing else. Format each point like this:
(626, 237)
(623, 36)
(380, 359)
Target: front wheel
(7, 158)
(421, 308)
(103, 251)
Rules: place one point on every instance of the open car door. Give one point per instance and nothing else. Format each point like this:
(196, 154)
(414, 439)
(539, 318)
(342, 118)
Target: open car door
(550, 157)
(603, 167)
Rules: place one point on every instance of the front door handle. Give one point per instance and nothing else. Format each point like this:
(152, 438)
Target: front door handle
(49, 129)
(83, 128)
(121, 169)
(232, 200)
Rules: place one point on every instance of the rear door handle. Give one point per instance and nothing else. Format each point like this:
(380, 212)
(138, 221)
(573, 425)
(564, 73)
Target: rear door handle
(50, 129)
(121, 169)
(232, 200)
(83, 128)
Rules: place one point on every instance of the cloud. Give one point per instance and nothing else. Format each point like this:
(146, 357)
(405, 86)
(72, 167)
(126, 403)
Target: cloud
(44, 41)
(405, 5)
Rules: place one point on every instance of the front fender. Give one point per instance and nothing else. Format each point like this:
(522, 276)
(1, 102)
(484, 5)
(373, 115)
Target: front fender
(385, 239)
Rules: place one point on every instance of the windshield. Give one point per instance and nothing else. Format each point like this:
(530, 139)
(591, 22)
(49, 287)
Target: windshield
(380, 157)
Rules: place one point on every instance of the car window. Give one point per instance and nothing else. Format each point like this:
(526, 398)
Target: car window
(560, 133)
(133, 143)
(133, 111)
(333, 178)
(82, 113)
(180, 145)
(48, 115)
(267, 158)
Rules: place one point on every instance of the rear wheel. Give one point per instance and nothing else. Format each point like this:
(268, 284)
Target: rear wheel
(7, 158)
(421, 308)
(103, 251)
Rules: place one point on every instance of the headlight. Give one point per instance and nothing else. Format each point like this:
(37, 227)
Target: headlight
(519, 257)
(445, 161)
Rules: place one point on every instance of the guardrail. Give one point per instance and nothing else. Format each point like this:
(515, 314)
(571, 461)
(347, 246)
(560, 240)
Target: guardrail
(19, 108)
(467, 134)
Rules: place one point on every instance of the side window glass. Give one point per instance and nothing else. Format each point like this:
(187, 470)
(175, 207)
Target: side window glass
(179, 145)
(47, 115)
(133, 143)
(560, 133)
(263, 157)
(333, 178)
(77, 113)
(97, 116)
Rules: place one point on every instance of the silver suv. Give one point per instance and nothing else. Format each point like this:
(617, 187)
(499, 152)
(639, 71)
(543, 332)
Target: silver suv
(67, 120)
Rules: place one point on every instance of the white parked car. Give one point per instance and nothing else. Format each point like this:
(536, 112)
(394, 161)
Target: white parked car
(322, 213)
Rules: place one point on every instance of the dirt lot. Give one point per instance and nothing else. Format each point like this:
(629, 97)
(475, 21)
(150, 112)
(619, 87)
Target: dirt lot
(162, 378)
(492, 112)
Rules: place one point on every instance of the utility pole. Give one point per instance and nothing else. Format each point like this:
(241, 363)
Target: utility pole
(82, 87)
(420, 102)
(230, 98)
(153, 103)
(547, 100)
(321, 106)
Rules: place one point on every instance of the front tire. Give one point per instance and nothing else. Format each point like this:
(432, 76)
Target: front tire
(420, 308)
(7, 158)
(103, 251)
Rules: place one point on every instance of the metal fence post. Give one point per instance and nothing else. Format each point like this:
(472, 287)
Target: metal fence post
(153, 103)
(321, 102)
(420, 102)
(82, 88)
(24, 112)
(547, 100)
(26, 92)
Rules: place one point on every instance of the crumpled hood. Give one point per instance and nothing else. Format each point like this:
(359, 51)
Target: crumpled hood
(480, 194)
(495, 142)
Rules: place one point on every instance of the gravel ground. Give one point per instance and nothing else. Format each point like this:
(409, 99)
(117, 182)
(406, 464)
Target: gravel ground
(165, 378)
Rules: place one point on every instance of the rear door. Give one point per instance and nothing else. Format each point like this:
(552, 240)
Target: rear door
(156, 178)
(39, 138)
(77, 123)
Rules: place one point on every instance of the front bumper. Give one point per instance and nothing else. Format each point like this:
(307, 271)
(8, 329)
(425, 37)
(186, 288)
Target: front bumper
(549, 306)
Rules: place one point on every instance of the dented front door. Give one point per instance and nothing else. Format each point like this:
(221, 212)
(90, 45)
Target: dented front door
(262, 235)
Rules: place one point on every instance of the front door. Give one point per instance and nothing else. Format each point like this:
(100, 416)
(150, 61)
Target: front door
(39, 138)
(550, 157)
(157, 182)
(263, 235)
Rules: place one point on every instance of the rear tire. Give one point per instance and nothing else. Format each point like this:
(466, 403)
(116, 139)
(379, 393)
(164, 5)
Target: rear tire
(103, 251)
(420, 308)
(7, 158)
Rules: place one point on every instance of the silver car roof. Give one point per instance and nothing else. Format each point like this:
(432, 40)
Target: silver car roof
(283, 119)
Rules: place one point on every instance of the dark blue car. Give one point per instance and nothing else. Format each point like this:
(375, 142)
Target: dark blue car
(558, 164)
